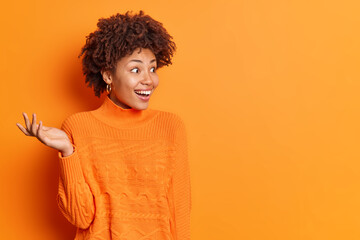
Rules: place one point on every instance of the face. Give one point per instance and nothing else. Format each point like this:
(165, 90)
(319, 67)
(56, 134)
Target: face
(134, 80)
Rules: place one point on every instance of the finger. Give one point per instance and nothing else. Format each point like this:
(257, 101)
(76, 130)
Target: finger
(22, 129)
(40, 134)
(45, 128)
(33, 125)
(27, 122)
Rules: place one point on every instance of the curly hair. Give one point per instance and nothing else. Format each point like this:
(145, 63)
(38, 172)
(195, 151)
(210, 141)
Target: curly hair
(118, 36)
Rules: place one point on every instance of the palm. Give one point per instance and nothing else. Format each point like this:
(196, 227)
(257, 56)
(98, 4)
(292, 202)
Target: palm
(53, 137)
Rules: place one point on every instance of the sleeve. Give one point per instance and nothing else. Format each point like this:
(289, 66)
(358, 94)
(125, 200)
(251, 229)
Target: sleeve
(74, 198)
(180, 187)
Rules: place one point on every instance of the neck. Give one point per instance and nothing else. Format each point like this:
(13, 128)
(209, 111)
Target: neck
(117, 116)
(117, 102)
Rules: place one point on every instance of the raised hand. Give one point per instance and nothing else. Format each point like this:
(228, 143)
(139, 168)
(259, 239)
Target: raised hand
(52, 137)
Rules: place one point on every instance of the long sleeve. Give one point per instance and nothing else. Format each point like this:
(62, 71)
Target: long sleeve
(74, 198)
(180, 187)
(128, 176)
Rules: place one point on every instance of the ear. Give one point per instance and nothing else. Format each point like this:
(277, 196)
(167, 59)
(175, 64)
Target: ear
(107, 76)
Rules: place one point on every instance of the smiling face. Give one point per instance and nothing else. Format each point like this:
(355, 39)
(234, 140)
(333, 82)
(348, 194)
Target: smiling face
(134, 80)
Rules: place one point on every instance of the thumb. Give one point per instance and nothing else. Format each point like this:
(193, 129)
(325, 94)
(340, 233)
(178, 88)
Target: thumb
(39, 133)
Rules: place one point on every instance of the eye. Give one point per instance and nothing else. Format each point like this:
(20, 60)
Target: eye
(135, 70)
(153, 69)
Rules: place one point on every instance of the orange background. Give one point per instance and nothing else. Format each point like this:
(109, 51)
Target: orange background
(269, 91)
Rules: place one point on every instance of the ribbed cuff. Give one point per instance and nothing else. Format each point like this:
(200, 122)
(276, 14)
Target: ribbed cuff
(70, 167)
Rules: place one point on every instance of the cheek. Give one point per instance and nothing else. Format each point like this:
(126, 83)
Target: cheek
(156, 81)
(126, 84)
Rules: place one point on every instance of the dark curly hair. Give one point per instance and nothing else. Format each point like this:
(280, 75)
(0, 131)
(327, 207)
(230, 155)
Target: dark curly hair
(118, 36)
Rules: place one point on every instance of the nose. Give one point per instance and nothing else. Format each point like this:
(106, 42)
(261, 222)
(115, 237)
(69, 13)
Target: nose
(147, 80)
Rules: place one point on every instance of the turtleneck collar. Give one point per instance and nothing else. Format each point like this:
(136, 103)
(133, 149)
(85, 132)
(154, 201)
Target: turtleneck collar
(116, 116)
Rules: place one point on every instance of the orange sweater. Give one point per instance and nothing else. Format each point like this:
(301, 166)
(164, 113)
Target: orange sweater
(128, 177)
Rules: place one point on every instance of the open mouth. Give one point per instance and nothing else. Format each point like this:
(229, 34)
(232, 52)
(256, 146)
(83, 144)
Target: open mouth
(143, 93)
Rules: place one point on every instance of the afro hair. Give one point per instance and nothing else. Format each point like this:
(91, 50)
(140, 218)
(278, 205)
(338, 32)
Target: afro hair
(117, 37)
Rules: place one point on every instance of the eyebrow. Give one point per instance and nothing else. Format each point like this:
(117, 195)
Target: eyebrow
(137, 60)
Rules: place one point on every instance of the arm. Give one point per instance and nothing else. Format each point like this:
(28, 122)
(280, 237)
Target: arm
(180, 186)
(74, 197)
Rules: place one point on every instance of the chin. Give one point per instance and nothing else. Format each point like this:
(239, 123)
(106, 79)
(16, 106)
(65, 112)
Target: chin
(141, 107)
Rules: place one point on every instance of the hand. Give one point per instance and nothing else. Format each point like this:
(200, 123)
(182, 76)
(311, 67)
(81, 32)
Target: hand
(52, 137)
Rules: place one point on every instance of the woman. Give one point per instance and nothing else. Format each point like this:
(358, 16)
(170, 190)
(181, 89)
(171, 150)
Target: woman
(124, 170)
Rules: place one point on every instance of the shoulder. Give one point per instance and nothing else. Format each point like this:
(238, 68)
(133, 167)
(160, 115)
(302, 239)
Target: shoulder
(171, 124)
(173, 119)
(76, 120)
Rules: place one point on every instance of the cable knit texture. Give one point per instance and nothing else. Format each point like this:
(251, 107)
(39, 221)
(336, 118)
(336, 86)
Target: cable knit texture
(128, 177)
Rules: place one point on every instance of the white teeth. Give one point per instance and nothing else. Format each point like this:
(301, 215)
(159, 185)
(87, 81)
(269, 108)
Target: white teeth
(143, 92)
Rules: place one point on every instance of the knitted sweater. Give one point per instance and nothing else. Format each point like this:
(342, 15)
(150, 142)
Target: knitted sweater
(128, 177)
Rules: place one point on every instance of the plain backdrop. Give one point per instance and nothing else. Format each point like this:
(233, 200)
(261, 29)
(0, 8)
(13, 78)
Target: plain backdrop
(269, 92)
